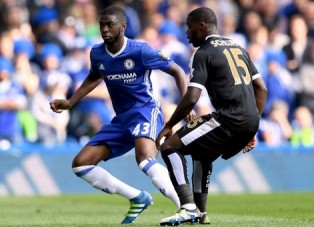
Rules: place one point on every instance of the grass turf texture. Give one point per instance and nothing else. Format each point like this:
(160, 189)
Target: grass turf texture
(282, 209)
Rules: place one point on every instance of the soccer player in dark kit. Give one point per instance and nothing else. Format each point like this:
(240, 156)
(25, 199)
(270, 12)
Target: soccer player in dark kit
(238, 95)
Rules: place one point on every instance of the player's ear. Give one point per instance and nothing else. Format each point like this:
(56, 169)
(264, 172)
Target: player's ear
(203, 25)
(123, 26)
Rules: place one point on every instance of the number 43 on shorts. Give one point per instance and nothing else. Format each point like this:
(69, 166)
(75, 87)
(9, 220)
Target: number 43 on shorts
(141, 128)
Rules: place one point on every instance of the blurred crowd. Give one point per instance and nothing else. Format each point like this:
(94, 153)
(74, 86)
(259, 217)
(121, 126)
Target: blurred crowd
(44, 54)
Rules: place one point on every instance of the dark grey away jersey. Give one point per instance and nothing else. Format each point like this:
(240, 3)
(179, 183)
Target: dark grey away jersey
(226, 71)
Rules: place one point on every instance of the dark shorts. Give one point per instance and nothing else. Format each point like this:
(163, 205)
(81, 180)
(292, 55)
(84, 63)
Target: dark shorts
(206, 137)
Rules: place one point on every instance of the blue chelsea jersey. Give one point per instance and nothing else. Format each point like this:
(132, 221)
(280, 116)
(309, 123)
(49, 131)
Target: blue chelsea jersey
(127, 73)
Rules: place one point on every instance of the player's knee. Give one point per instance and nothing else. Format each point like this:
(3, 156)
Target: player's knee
(86, 158)
(79, 161)
(165, 146)
(75, 162)
(174, 142)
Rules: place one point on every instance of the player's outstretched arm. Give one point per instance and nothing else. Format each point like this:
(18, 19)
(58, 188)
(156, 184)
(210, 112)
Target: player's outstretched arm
(179, 75)
(89, 84)
(58, 105)
(260, 92)
(185, 106)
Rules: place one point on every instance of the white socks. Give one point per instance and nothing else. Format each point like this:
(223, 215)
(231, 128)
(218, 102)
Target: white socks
(189, 206)
(160, 178)
(101, 179)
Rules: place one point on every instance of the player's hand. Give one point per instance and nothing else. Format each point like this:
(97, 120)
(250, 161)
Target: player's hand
(250, 145)
(165, 132)
(191, 116)
(58, 105)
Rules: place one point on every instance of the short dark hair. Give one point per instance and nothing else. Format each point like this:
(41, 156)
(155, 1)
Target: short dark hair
(204, 14)
(117, 11)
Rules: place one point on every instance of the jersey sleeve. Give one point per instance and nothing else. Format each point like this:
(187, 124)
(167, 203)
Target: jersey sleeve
(93, 71)
(198, 69)
(154, 59)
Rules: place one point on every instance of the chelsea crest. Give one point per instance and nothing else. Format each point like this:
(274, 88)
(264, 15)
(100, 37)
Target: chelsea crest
(129, 64)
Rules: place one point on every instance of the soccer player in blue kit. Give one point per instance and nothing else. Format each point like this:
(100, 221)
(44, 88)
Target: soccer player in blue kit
(125, 65)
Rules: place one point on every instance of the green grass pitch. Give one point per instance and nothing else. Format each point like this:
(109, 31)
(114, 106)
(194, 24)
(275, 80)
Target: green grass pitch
(249, 210)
